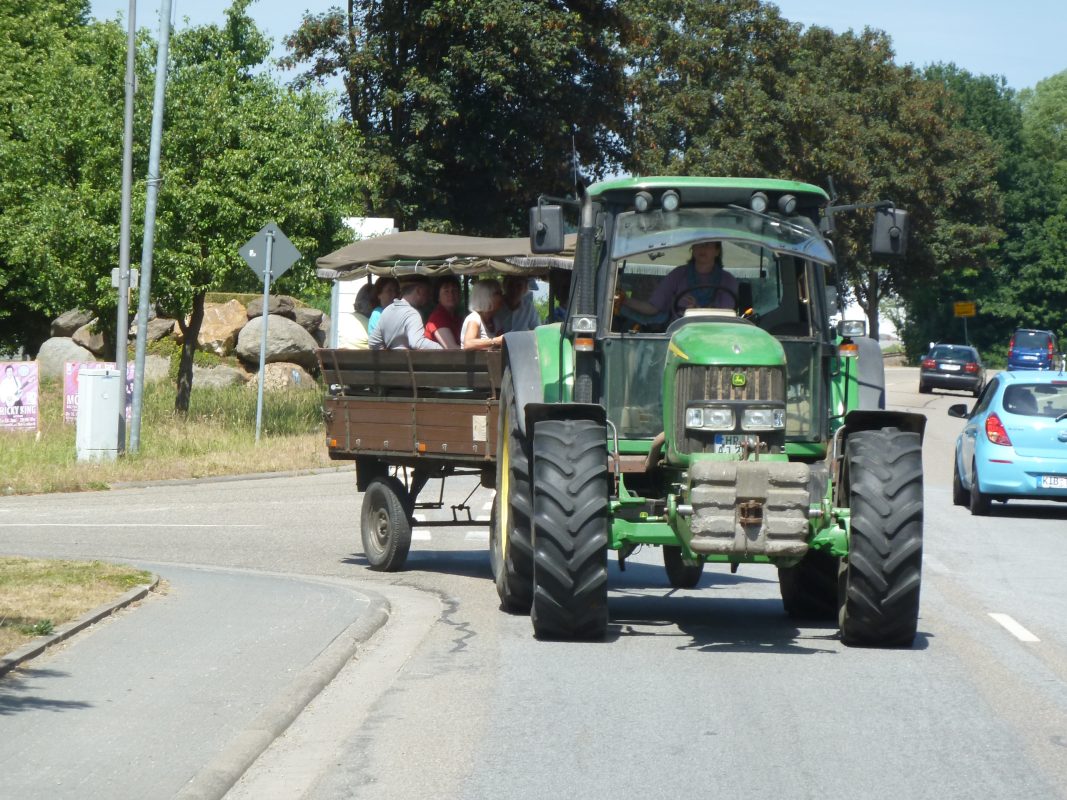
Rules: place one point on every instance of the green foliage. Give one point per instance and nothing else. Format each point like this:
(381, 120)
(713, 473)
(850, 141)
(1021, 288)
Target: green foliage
(470, 108)
(43, 627)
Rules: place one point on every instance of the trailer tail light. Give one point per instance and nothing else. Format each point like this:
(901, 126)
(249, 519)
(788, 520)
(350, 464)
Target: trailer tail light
(928, 363)
(972, 367)
(994, 431)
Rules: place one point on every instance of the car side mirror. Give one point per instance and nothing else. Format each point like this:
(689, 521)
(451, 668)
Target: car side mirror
(890, 233)
(546, 229)
(958, 410)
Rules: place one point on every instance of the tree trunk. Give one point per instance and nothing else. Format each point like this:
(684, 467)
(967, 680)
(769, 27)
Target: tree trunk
(190, 333)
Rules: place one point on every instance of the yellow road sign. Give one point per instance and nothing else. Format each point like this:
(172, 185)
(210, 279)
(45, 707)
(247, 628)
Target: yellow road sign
(964, 308)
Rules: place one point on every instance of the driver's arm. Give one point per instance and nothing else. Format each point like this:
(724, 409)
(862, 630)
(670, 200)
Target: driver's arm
(641, 306)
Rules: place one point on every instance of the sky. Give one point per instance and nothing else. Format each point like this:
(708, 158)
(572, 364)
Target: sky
(1022, 41)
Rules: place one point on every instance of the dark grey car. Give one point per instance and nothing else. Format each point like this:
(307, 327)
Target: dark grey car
(952, 366)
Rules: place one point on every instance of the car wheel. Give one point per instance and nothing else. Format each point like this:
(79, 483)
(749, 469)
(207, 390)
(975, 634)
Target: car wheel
(923, 388)
(979, 500)
(959, 494)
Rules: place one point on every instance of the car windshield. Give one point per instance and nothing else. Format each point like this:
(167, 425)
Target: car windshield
(1037, 399)
(656, 231)
(1031, 340)
(948, 351)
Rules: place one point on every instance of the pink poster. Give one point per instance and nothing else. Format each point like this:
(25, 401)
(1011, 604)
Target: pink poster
(18, 395)
(70, 385)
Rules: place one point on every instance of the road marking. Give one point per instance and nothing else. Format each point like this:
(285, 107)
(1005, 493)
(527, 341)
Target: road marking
(933, 564)
(477, 536)
(487, 505)
(1014, 628)
(122, 525)
(420, 535)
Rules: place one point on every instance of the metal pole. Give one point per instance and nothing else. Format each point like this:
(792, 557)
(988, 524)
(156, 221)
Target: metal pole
(263, 337)
(150, 222)
(122, 324)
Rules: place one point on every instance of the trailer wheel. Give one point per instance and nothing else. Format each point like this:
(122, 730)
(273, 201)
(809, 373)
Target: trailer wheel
(879, 580)
(959, 494)
(809, 590)
(570, 578)
(679, 574)
(510, 547)
(384, 524)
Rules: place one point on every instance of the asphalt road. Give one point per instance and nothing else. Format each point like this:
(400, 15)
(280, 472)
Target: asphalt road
(709, 691)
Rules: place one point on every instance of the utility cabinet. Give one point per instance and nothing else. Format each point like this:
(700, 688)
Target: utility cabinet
(101, 393)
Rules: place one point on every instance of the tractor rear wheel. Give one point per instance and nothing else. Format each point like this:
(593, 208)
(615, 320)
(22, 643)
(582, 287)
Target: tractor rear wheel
(679, 574)
(385, 526)
(570, 577)
(510, 547)
(809, 590)
(879, 580)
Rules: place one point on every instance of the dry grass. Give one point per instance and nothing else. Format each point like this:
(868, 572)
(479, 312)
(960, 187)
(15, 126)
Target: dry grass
(37, 596)
(217, 437)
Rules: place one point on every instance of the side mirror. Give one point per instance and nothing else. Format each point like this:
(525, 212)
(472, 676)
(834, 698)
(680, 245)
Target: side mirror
(852, 328)
(831, 301)
(546, 229)
(890, 233)
(958, 410)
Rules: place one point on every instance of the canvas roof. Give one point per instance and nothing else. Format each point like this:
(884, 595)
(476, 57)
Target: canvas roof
(422, 253)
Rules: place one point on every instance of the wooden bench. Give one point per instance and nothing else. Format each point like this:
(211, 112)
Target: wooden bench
(412, 372)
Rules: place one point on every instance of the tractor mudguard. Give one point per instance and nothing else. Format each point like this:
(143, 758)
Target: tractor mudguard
(871, 374)
(520, 355)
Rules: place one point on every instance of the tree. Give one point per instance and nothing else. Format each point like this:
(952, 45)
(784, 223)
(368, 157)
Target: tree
(470, 109)
(240, 150)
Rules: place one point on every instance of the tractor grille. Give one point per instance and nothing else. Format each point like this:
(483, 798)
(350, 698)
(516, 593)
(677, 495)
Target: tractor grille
(698, 383)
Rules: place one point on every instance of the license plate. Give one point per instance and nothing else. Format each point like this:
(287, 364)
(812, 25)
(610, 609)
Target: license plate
(732, 442)
(1053, 482)
(950, 367)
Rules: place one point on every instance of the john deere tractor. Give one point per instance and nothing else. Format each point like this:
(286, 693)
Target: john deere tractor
(753, 434)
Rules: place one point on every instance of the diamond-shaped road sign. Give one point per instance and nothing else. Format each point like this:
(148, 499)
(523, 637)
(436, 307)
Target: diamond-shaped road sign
(283, 253)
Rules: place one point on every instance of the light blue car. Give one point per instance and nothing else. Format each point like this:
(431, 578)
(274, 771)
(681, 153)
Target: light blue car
(1014, 444)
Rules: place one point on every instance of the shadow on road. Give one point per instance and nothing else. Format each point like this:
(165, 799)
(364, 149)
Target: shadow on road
(16, 688)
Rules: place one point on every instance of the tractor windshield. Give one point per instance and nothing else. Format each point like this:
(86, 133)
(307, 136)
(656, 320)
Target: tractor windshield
(657, 231)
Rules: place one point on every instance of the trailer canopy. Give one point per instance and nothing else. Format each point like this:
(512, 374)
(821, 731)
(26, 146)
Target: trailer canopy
(422, 253)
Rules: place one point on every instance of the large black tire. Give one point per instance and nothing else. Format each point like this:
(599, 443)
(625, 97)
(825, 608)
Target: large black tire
(959, 494)
(385, 526)
(880, 579)
(809, 590)
(570, 478)
(923, 388)
(979, 499)
(679, 574)
(510, 534)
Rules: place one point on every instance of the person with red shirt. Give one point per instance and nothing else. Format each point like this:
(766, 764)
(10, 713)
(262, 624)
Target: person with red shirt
(444, 323)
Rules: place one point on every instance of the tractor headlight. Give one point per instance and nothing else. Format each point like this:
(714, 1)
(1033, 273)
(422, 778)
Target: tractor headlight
(762, 419)
(709, 418)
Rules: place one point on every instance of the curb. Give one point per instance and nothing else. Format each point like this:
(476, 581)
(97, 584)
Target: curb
(64, 632)
(219, 776)
(252, 476)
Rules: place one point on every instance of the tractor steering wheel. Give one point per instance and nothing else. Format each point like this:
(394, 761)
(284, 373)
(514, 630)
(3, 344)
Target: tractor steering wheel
(680, 310)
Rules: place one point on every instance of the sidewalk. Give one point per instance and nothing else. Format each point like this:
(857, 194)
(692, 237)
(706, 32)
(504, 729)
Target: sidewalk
(179, 695)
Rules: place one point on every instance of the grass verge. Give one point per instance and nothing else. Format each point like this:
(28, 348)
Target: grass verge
(216, 437)
(37, 596)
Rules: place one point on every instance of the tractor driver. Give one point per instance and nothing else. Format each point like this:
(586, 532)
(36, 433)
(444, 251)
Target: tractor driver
(701, 282)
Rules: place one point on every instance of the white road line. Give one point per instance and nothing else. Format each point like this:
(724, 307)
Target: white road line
(487, 505)
(1014, 628)
(477, 536)
(121, 525)
(933, 564)
(420, 535)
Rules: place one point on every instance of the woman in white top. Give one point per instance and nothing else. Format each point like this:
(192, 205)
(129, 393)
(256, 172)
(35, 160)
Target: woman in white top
(479, 330)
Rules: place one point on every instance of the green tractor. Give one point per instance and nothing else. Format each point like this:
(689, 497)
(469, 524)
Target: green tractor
(754, 433)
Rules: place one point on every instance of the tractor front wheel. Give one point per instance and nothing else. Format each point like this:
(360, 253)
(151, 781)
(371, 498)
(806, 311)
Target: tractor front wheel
(809, 590)
(570, 576)
(879, 580)
(680, 574)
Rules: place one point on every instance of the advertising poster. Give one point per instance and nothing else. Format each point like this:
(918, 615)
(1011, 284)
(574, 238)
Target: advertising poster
(18, 395)
(70, 386)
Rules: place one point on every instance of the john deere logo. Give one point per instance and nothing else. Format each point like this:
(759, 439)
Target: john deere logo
(738, 379)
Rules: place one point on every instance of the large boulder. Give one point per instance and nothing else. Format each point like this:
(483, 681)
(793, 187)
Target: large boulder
(277, 304)
(65, 324)
(218, 377)
(92, 340)
(159, 328)
(222, 322)
(156, 368)
(308, 318)
(283, 375)
(286, 341)
(55, 352)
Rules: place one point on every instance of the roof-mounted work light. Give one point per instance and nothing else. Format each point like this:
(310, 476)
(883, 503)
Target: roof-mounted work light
(670, 200)
(642, 202)
(758, 202)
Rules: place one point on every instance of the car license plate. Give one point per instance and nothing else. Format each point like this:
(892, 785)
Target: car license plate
(1053, 482)
(950, 367)
(732, 442)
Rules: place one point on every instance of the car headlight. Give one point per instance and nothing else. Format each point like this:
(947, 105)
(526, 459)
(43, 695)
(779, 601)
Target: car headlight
(762, 419)
(710, 418)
